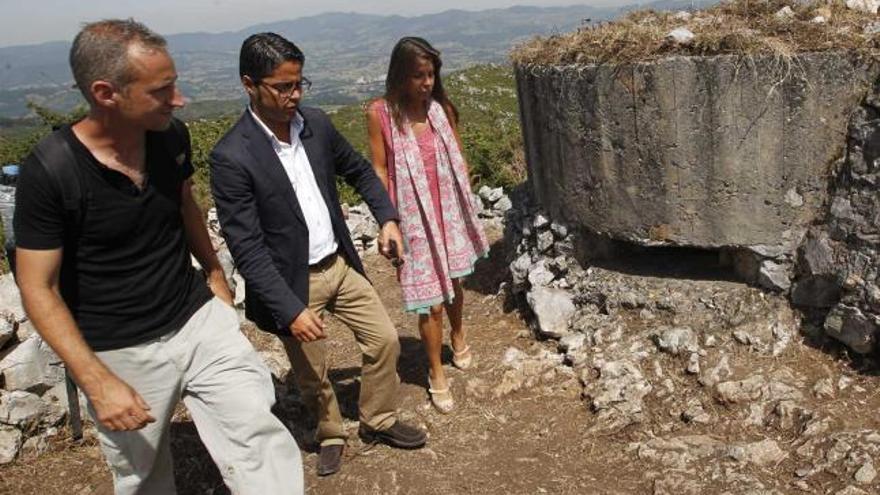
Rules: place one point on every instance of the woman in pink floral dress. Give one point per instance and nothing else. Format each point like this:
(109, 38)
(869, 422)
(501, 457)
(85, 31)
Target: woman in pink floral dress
(416, 152)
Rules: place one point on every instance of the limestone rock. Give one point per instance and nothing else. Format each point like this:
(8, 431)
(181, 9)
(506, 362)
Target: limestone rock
(539, 275)
(849, 325)
(10, 443)
(56, 405)
(7, 330)
(680, 452)
(238, 283)
(10, 300)
(794, 198)
(720, 371)
(26, 367)
(620, 390)
(785, 13)
(866, 473)
(20, 408)
(676, 341)
(513, 358)
(824, 389)
(361, 224)
(851, 490)
(680, 36)
(866, 6)
(559, 231)
(540, 221)
(818, 283)
(25, 330)
(693, 366)
(519, 269)
(277, 362)
(227, 263)
(525, 370)
(695, 413)
(747, 390)
(676, 484)
(774, 276)
(572, 342)
(490, 195)
(763, 453)
(545, 241)
(816, 254)
(503, 205)
(34, 446)
(552, 308)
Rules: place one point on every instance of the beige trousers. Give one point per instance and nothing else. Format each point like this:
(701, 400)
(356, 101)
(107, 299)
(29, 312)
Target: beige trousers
(228, 391)
(336, 287)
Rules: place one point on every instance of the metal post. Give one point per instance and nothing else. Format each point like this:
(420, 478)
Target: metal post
(73, 407)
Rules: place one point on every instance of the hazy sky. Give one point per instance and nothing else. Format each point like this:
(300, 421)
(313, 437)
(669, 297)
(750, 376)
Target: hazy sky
(35, 21)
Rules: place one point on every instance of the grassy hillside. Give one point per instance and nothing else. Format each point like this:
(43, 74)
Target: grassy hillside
(485, 96)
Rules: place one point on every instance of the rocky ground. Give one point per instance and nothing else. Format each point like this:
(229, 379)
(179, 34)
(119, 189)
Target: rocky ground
(668, 379)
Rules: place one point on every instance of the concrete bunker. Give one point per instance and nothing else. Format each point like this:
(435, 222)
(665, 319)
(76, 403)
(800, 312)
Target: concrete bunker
(769, 161)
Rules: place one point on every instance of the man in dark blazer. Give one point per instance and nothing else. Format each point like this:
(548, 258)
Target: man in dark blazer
(273, 177)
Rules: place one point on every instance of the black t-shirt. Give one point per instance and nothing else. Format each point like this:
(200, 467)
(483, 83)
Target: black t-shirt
(128, 277)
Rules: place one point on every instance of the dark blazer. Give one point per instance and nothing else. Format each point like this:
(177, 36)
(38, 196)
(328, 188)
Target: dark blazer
(261, 219)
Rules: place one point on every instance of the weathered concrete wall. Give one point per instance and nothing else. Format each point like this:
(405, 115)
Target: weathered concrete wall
(705, 152)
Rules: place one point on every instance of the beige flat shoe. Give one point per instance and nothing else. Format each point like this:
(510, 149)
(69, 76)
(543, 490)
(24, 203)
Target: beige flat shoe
(441, 398)
(462, 359)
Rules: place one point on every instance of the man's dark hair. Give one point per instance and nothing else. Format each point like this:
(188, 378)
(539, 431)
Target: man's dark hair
(100, 52)
(262, 53)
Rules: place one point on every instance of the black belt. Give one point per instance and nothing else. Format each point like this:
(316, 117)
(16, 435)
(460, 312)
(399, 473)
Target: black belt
(324, 262)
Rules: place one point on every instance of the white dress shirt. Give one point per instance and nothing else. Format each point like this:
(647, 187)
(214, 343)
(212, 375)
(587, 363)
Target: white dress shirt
(322, 241)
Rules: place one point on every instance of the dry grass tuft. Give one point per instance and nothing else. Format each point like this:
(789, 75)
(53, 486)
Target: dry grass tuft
(747, 27)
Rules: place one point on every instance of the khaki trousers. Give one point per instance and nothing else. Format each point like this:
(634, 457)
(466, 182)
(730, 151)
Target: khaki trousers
(228, 391)
(336, 287)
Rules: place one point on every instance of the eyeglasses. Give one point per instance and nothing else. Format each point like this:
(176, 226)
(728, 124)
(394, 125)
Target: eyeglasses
(285, 90)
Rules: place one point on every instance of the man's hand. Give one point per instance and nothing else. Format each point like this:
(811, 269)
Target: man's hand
(390, 232)
(307, 327)
(218, 285)
(118, 407)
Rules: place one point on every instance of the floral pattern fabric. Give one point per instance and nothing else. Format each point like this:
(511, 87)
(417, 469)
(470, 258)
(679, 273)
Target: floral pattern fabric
(436, 250)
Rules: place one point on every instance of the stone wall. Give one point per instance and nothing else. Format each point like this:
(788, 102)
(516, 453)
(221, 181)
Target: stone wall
(33, 393)
(838, 264)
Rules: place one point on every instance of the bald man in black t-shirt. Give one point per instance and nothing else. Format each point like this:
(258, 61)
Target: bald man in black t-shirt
(116, 295)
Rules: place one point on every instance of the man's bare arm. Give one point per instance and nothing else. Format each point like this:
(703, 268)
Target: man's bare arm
(117, 405)
(200, 243)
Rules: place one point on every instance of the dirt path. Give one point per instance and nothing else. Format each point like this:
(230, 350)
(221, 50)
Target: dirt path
(521, 443)
(521, 426)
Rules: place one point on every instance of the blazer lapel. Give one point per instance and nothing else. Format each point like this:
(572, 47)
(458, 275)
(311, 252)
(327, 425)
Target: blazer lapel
(315, 155)
(267, 163)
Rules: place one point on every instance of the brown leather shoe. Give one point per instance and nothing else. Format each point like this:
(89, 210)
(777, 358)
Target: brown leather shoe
(330, 459)
(400, 435)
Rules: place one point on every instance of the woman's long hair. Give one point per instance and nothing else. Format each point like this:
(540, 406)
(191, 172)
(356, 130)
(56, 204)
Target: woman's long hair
(404, 57)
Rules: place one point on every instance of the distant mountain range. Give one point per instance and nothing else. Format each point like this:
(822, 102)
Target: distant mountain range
(346, 53)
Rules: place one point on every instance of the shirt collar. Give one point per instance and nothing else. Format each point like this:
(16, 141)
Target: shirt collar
(297, 123)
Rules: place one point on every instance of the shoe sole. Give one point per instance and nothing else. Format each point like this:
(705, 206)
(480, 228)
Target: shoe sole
(375, 438)
(327, 473)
